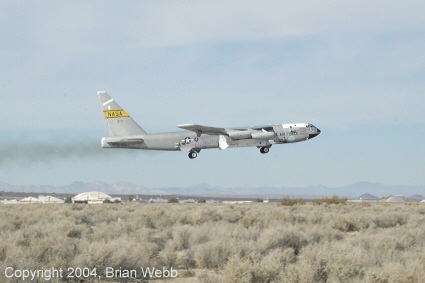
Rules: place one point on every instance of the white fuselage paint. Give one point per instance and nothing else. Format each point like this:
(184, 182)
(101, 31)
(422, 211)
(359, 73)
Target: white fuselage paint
(187, 141)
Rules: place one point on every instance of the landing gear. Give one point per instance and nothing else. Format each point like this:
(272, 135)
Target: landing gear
(264, 149)
(193, 154)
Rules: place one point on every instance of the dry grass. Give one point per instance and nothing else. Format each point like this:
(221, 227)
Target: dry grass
(255, 242)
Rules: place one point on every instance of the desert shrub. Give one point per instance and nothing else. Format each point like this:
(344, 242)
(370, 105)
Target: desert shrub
(299, 272)
(208, 215)
(186, 259)
(316, 234)
(208, 277)
(281, 237)
(397, 272)
(77, 206)
(332, 200)
(164, 221)
(201, 234)
(213, 254)
(85, 218)
(181, 236)
(286, 201)
(300, 243)
(270, 268)
(14, 223)
(237, 270)
(173, 200)
(336, 262)
(168, 256)
(349, 223)
(251, 221)
(390, 220)
(186, 218)
(117, 253)
(421, 210)
(149, 223)
(74, 233)
(231, 215)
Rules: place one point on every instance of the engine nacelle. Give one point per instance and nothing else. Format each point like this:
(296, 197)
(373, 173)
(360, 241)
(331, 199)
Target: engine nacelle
(239, 135)
(262, 135)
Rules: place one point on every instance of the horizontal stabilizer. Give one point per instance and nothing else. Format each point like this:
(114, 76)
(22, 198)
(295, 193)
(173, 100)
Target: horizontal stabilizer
(118, 142)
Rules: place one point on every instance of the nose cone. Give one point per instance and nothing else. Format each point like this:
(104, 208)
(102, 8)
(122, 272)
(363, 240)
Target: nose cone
(314, 134)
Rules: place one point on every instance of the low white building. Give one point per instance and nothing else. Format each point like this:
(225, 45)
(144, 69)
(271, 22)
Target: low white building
(93, 197)
(49, 199)
(158, 200)
(40, 199)
(29, 200)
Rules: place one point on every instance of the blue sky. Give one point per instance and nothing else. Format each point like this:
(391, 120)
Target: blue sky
(356, 70)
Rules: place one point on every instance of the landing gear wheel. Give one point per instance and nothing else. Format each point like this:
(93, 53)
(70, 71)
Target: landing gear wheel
(264, 149)
(193, 154)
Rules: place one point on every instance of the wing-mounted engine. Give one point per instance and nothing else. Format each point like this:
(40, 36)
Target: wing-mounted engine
(257, 134)
(240, 135)
(262, 135)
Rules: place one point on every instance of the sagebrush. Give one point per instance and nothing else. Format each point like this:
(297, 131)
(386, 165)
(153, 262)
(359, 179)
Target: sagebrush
(257, 242)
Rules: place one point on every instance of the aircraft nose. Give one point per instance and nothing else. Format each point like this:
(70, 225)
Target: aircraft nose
(310, 136)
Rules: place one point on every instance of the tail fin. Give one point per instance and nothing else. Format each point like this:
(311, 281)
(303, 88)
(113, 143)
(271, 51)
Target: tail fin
(118, 121)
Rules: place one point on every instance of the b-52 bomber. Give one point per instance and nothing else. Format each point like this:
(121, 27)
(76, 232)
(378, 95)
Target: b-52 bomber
(126, 133)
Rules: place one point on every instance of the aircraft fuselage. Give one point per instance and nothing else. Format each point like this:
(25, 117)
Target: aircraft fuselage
(126, 133)
(282, 133)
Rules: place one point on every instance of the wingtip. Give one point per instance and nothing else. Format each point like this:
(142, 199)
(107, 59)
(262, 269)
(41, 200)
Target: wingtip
(101, 92)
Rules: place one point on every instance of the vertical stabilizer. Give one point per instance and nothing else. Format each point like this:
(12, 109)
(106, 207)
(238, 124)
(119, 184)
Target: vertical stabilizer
(118, 121)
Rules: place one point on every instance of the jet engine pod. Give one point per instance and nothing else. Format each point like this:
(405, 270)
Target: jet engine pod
(239, 135)
(262, 135)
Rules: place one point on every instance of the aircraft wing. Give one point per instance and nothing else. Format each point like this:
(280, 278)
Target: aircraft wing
(265, 132)
(199, 129)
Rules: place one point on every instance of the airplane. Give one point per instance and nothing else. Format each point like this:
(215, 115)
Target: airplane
(126, 133)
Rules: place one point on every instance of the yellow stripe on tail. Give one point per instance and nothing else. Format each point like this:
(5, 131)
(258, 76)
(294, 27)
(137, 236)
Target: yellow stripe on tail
(115, 114)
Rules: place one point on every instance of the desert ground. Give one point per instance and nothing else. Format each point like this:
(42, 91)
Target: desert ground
(251, 242)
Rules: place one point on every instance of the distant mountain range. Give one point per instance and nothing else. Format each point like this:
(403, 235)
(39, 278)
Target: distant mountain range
(362, 189)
